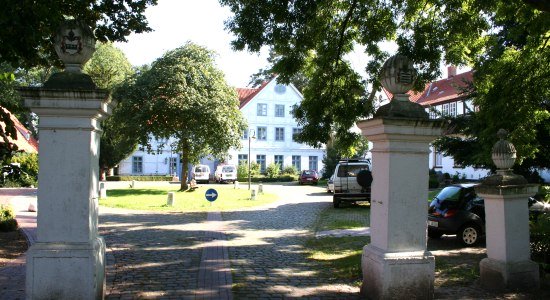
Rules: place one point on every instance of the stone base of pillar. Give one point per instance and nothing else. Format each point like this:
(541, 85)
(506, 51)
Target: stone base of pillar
(66, 270)
(397, 275)
(497, 275)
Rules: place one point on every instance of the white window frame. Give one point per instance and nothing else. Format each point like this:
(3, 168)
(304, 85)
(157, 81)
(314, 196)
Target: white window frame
(137, 164)
(261, 133)
(261, 109)
(279, 134)
(279, 110)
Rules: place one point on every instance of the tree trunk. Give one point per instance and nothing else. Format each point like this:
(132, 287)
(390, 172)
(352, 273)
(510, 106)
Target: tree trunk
(184, 171)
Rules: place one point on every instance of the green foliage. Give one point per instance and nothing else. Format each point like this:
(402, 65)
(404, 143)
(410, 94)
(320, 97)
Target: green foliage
(37, 22)
(12, 176)
(111, 70)
(185, 97)
(273, 170)
(433, 182)
(290, 170)
(108, 66)
(28, 163)
(506, 42)
(255, 168)
(138, 178)
(242, 171)
(7, 218)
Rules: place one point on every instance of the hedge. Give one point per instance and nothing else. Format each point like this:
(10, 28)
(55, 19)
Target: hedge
(280, 178)
(139, 178)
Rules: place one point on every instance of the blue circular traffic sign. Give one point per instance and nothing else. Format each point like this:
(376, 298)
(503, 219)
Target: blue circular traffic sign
(211, 195)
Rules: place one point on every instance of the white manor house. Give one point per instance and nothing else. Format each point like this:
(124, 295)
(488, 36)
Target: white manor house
(271, 127)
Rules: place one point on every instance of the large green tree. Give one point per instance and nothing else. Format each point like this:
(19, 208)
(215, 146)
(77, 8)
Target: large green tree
(313, 37)
(111, 70)
(185, 97)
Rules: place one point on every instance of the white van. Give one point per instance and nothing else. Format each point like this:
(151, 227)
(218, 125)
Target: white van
(352, 181)
(201, 173)
(225, 173)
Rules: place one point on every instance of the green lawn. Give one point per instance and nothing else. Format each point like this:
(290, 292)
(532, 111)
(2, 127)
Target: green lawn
(154, 198)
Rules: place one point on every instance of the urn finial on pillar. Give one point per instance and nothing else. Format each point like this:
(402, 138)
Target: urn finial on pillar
(504, 157)
(398, 76)
(74, 44)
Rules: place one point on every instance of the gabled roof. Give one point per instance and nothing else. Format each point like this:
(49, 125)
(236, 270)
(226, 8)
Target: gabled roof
(25, 141)
(246, 94)
(446, 90)
(441, 91)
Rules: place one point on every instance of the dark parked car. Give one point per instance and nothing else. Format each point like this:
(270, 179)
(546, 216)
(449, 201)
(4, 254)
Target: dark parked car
(457, 209)
(308, 176)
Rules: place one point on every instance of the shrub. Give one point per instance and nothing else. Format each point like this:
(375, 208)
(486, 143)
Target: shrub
(273, 170)
(434, 182)
(12, 176)
(242, 171)
(7, 219)
(290, 170)
(255, 168)
(28, 163)
(540, 239)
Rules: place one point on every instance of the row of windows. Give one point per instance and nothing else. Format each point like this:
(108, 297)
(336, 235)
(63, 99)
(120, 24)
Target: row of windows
(261, 133)
(262, 110)
(137, 164)
(447, 109)
(279, 159)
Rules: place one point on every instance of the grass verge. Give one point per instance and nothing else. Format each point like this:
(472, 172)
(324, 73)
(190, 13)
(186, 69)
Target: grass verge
(155, 198)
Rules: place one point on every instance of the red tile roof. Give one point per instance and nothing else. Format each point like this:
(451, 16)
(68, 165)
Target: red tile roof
(246, 94)
(25, 141)
(440, 91)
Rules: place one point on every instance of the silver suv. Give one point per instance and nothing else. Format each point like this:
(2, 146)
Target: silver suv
(352, 181)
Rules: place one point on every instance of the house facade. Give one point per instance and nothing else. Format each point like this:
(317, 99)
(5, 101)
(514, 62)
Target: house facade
(270, 132)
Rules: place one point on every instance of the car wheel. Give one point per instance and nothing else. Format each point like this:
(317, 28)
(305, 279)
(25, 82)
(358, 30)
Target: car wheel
(434, 234)
(335, 202)
(469, 235)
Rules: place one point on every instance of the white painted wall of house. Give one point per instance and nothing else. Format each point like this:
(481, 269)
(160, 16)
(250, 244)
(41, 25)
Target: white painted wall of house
(271, 147)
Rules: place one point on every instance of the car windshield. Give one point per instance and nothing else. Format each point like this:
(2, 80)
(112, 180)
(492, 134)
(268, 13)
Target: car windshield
(447, 198)
(200, 169)
(351, 170)
(228, 169)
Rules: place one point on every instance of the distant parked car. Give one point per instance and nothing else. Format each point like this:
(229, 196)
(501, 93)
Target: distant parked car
(201, 173)
(330, 184)
(309, 176)
(225, 173)
(457, 209)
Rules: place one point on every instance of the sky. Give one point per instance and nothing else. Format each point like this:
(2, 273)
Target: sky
(201, 21)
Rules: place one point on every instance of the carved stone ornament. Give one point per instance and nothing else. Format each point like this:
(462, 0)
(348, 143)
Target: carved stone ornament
(74, 44)
(398, 75)
(504, 157)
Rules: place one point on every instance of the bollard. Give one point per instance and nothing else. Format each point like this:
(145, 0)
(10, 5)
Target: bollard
(235, 184)
(133, 184)
(260, 189)
(253, 194)
(170, 200)
(102, 191)
(31, 208)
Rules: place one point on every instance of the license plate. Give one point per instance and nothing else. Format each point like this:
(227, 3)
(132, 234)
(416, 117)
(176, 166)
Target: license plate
(432, 223)
(310, 179)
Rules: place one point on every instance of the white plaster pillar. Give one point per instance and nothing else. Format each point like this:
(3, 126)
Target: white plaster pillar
(68, 260)
(396, 263)
(508, 264)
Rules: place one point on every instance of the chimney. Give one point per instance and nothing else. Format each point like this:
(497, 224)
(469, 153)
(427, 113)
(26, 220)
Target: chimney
(451, 71)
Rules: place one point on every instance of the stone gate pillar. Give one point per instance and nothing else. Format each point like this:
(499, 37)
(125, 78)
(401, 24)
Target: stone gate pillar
(68, 259)
(508, 264)
(396, 264)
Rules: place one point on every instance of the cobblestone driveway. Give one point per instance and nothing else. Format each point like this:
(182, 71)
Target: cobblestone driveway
(265, 247)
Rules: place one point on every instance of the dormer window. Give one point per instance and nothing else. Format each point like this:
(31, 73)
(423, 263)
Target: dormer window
(280, 89)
